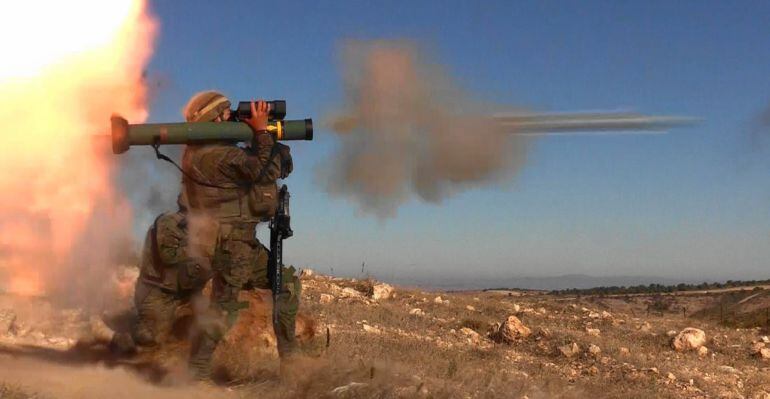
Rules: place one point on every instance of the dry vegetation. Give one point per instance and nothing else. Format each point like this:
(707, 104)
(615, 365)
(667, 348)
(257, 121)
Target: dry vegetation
(360, 343)
(8, 391)
(453, 362)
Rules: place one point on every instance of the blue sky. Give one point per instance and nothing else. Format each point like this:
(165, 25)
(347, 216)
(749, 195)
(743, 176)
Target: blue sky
(694, 203)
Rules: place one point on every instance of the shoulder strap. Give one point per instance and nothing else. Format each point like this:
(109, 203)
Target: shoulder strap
(192, 178)
(273, 152)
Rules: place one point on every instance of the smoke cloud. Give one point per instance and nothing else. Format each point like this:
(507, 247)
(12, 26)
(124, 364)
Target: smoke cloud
(150, 184)
(407, 131)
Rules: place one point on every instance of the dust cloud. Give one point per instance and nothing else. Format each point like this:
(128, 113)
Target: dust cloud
(408, 131)
(65, 224)
(150, 184)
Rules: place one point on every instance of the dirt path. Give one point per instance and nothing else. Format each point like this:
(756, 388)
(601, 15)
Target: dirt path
(51, 380)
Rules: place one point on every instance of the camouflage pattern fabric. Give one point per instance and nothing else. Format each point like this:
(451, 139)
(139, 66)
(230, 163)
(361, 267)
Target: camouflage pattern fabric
(156, 310)
(231, 183)
(169, 276)
(241, 263)
(205, 106)
(236, 187)
(168, 261)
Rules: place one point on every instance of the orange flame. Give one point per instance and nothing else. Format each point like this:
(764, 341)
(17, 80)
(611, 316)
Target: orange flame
(67, 65)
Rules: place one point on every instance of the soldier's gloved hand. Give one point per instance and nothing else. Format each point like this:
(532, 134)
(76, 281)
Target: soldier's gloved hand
(258, 120)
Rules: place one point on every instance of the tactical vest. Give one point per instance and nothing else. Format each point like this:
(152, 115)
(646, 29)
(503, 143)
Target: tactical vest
(207, 188)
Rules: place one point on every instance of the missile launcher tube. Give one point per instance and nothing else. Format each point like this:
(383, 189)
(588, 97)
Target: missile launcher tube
(125, 135)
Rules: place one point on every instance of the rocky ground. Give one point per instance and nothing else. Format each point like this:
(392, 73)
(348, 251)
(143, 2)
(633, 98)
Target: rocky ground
(370, 340)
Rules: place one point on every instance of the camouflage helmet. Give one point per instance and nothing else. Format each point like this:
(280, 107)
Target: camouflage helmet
(205, 106)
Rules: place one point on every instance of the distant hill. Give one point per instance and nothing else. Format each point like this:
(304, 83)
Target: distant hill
(579, 281)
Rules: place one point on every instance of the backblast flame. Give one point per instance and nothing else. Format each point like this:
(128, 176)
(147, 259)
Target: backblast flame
(67, 66)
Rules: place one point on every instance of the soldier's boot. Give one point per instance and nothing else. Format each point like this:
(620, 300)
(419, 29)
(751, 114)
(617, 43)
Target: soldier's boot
(100, 332)
(201, 354)
(212, 326)
(144, 337)
(288, 350)
(285, 330)
(122, 344)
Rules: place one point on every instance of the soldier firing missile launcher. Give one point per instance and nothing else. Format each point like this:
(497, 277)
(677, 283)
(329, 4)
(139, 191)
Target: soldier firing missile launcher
(125, 135)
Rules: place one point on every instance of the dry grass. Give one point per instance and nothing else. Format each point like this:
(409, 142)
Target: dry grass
(430, 351)
(385, 349)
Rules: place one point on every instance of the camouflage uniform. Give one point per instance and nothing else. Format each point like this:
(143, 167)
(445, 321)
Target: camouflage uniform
(169, 277)
(232, 189)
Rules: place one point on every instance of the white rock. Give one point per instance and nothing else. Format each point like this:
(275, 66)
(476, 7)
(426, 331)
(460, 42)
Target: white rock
(594, 315)
(382, 291)
(671, 333)
(569, 350)
(351, 293)
(326, 299)
(645, 327)
(764, 353)
(99, 330)
(307, 273)
(516, 308)
(473, 335)
(370, 329)
(594, 350)
(416, 312)
(703, 351)
(689, 339)
(60, 343)
(671, 377)
(512, 330)
(349, 389)
(438, 300)
(593, 331)
(766, 339)
(606, 315)
(624, 351)
(471, 308)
